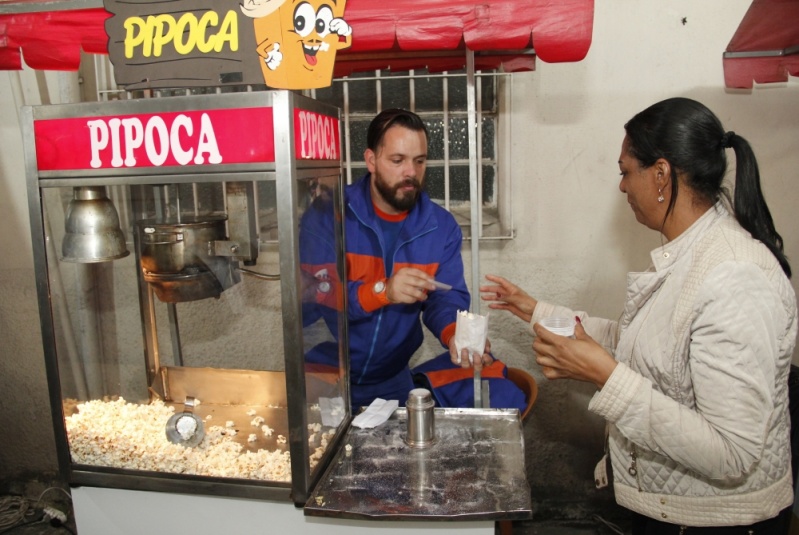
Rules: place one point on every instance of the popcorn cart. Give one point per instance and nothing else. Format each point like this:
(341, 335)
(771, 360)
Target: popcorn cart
(189, 254)
(174, 308)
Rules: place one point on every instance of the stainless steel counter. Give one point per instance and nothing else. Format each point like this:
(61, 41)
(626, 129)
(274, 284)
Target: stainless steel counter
(474, 471)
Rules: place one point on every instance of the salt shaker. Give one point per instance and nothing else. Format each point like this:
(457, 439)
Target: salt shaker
(421, 422)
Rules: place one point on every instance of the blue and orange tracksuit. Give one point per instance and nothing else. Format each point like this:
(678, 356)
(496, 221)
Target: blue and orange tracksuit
(383, 337)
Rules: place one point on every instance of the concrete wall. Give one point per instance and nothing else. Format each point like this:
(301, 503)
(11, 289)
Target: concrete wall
(575, 234)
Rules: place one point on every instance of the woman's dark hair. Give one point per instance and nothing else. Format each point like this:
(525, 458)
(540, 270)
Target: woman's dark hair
(691, 138)
(388, 118)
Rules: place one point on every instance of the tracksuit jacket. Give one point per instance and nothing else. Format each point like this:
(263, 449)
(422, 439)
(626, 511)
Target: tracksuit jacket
(384, 338)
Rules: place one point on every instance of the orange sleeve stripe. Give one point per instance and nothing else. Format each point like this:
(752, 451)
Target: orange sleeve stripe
(370, 301)
(332, 299)
(361, 267)
(430, 269)
(447, 334)
(323, 372)
(444, 377)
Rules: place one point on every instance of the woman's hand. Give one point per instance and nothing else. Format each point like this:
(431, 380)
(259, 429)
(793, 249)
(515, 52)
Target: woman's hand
(504, 295)
(580, 358)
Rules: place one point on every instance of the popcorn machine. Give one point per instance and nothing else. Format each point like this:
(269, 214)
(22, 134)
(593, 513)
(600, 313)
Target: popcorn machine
(180, 292)
(189, 255)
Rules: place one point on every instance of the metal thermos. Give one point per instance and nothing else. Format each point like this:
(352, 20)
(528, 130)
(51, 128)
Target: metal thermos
(421, 422)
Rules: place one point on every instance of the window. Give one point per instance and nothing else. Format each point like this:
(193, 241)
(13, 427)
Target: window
(441, 101)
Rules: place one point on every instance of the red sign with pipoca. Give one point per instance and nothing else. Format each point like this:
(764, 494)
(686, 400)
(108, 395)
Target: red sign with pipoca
(201, 137)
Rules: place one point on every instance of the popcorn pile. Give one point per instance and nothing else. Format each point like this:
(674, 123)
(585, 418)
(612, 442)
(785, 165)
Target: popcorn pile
(129, 435)
(324, 437)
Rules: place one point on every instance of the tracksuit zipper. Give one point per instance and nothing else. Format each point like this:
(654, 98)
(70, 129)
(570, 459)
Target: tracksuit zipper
(382, 254)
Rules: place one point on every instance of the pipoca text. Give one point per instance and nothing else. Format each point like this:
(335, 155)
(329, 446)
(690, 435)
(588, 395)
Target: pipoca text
(185, 34)
(317, 137)
(125, 140)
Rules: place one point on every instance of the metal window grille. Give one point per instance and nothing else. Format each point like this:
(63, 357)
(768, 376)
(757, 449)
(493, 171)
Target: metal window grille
(441, 100)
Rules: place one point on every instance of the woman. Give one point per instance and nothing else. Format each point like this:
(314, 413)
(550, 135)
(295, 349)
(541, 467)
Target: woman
(693, 377)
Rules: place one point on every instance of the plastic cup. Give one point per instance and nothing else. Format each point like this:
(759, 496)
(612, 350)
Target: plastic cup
(558, 325)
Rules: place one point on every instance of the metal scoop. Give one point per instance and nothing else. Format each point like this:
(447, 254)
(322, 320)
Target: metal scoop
(185, 428)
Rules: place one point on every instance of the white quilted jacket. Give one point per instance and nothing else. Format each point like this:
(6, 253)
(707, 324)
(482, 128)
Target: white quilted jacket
(700, 395)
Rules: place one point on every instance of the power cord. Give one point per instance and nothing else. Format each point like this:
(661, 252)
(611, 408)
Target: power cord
(56, 517)
(13, 512)
(608, 524)
(16, 511)
(52, 514)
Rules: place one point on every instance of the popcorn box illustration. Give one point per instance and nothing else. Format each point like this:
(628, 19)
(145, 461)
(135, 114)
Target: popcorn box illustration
(297, 40)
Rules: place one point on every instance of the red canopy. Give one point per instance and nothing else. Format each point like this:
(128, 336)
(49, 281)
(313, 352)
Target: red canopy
(51, 40)
(434, 33)
(400, 34)
(765, 48)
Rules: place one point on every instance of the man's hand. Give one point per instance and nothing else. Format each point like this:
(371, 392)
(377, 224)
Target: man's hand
(462, 360)
(409, 285)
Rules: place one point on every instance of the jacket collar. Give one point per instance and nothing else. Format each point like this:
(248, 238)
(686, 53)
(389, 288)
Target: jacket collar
(642, 286)
(665, 256)
(359, 200)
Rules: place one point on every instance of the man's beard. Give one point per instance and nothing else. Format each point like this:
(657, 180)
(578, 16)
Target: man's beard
(399, 201)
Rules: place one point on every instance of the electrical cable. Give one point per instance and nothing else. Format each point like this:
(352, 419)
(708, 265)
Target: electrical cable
(17, 511)
(262, 276)
(610, 525)
(45, 491)
(53, 515)
(13, 510)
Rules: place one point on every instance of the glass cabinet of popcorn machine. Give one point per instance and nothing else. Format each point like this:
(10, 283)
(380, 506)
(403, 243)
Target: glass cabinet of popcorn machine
(188, 255)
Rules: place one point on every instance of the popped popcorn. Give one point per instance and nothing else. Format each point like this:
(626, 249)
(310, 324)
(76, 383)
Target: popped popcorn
(257, 421)
(131, 436)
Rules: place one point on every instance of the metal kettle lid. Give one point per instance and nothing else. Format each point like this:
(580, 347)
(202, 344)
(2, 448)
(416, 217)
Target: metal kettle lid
(419, 398)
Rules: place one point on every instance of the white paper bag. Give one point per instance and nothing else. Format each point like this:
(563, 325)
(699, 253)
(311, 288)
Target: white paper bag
(471, 331)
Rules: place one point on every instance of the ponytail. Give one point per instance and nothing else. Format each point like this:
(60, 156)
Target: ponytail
(691, 138)
(749, 205)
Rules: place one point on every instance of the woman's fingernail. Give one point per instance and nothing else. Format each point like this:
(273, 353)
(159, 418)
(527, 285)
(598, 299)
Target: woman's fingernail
(577, 319)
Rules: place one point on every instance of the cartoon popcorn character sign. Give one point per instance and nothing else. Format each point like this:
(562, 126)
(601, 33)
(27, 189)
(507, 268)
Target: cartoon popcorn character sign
(297, 40)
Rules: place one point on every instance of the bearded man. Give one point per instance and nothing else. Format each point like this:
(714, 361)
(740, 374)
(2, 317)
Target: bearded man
(398, 243)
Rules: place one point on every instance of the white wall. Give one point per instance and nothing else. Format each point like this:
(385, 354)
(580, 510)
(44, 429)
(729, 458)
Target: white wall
(575, 234)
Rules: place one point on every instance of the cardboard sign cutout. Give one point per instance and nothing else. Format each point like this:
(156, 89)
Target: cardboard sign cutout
(297, 40)
(286, 44)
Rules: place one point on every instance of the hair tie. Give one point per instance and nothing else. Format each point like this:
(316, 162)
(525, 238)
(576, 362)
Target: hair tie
(726, 139)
